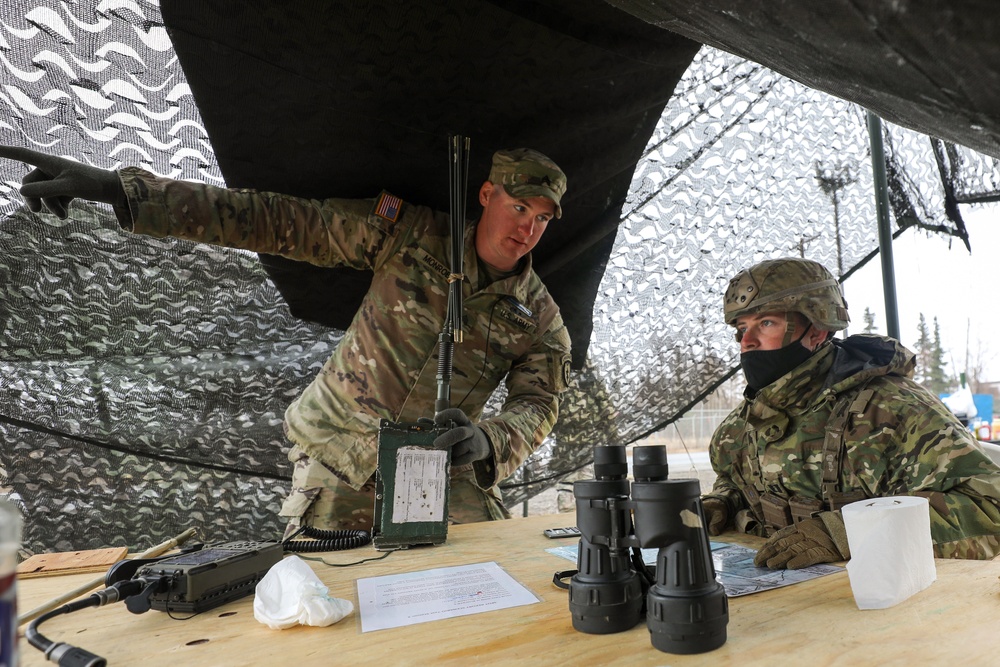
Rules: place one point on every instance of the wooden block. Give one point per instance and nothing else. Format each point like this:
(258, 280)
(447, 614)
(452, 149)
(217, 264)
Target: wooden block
(70, 562)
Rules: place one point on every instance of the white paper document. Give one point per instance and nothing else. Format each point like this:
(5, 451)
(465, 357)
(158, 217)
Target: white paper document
(421, 480)
(396, 600)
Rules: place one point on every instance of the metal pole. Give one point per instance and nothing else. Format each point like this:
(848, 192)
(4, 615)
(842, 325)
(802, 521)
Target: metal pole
(884, 232)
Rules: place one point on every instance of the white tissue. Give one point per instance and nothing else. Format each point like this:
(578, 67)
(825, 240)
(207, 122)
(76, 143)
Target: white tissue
(291, 594)
(892, 556)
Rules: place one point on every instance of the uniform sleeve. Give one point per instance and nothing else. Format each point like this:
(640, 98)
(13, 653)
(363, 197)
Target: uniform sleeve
(722, 450)
(330, 232)
(531, 408)
(937, 458)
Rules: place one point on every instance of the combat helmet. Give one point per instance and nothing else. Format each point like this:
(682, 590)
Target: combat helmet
(788, 284)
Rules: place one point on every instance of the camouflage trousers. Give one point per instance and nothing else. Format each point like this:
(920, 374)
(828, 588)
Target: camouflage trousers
(320, 499)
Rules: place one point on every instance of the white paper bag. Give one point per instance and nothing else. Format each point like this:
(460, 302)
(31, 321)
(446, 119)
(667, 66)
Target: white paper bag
(892, 556)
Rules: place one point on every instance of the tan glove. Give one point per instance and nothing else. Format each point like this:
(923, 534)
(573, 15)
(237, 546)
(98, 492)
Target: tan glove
(716, 515)
(819, 539)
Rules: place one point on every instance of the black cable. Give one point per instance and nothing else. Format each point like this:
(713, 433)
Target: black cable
(122, 449)
(325, 540)
(357, 562)
(486, 351)
(647, 575)
(67, 655)
(559, 578)
(40, 641)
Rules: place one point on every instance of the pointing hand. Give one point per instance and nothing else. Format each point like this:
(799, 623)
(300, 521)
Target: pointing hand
(56, 181)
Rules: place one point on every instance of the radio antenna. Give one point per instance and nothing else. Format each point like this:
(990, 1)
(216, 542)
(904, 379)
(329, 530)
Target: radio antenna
(451, 333)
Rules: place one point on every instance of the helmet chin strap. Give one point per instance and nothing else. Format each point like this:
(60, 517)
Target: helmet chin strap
(790, 326)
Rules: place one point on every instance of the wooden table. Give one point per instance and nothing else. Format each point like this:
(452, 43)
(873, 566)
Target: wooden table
(812, 623)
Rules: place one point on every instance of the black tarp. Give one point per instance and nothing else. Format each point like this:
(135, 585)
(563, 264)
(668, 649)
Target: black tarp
(321, 99)
(143, 381)
(318, 99)
(926, 65)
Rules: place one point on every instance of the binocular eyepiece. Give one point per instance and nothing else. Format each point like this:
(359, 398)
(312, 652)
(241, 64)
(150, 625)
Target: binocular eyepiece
(686, 608)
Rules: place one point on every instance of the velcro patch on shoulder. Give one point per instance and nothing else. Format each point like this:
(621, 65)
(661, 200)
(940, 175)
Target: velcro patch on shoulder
(567, 370)
(388, 207)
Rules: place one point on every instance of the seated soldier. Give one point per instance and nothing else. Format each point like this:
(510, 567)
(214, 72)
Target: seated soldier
(826, 422)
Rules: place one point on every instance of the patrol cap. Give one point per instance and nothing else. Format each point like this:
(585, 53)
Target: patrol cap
(524, 172)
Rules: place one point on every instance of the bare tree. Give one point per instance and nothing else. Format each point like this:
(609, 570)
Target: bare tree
(804, 242)
(978, 358)
(832, 179)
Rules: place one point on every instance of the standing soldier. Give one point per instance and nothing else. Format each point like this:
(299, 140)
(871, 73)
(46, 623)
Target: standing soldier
(385, 366)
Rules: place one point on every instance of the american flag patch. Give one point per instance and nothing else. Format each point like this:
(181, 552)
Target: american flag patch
(388, 207)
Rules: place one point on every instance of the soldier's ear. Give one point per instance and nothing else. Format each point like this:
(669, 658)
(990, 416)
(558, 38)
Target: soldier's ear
(485, 191)
(816, 337)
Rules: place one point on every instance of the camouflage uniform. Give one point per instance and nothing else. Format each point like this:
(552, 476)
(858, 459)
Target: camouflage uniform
(899, 440)
(386, 365)
(845, 424)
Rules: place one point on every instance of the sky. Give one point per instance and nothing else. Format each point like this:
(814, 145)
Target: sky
(938, 277)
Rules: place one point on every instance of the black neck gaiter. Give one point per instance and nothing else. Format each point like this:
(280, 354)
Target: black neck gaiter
(762, 367)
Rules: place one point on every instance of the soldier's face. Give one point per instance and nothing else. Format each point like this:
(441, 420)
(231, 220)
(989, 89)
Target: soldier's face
(509, 227)
(766, 331)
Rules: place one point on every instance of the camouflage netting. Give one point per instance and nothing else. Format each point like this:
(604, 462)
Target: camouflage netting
(143, 381)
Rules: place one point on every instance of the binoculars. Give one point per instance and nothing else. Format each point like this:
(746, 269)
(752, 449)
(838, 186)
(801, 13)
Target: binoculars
(685, 607)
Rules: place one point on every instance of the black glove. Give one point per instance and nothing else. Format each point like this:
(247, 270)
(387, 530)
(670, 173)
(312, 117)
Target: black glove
(56, 181)
(716, 515)
(468, 442)
(818, 539)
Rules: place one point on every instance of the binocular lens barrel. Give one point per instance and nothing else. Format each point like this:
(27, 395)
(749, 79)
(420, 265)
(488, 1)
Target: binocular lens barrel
(606, 594)
(686, 608)
(649, 463)
(610, 462)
